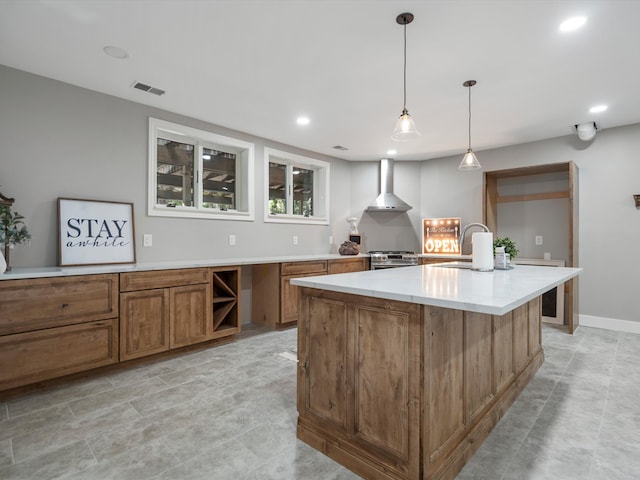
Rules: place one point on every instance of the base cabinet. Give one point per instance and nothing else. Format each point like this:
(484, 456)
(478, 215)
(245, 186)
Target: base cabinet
(394, 390)
(154, 320)
(144, 323)
(52, 327)
(275, 300)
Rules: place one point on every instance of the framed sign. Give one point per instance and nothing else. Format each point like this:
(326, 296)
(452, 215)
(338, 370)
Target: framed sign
(95, 232)
(440, 235)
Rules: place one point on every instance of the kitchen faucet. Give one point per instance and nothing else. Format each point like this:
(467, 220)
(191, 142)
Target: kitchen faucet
(464, 231)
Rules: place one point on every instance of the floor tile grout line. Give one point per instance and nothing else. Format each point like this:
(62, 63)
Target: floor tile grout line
(606, 401)
(573, 352)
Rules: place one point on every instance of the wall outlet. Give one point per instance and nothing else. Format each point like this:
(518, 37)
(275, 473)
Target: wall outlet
(232, 239)
(538, 239)
(147, 240)
(295, 239)
(330, 239)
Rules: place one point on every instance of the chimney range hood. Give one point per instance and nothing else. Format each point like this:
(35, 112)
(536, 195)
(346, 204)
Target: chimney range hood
(387, 201)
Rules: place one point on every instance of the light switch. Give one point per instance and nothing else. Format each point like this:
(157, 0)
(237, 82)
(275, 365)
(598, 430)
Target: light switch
(538, 239)
(147, 240)
(330, 239)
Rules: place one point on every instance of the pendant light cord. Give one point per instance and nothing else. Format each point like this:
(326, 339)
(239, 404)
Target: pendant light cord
(469, 117)
(404, 100)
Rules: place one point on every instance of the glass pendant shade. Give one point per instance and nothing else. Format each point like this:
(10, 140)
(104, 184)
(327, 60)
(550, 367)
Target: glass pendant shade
(469, 161)
(405, 128)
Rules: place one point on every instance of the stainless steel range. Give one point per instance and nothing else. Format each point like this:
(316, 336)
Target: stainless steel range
(392, 258)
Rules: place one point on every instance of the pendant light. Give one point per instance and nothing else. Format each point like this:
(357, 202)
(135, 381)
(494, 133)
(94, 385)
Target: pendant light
(405, 128)
(469, 161)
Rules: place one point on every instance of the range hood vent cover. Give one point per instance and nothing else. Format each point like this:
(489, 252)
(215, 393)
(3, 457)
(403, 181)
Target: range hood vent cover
(387, 201)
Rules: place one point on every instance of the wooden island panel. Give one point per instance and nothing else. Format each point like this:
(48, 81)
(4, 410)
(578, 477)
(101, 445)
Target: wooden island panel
(395, 390)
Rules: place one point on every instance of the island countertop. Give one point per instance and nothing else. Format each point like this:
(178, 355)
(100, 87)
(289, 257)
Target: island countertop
(449, 285)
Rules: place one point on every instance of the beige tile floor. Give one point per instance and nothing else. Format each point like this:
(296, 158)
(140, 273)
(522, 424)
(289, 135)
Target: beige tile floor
(229, 413)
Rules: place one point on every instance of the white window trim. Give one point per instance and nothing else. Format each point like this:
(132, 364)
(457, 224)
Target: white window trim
(320, 194)
(189, 134)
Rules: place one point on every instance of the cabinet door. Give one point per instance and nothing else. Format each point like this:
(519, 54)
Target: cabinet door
(34, 304)
(144, 323)
(288, 300)
(502, 351)
(53, 352)
(345, 265)
(191, 314)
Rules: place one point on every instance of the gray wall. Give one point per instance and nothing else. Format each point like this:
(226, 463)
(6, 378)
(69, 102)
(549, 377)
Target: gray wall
(609, 223)
(59, 140)
(63, 141)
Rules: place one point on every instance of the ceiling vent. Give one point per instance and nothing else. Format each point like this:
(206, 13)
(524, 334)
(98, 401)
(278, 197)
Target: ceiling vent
(148, 88)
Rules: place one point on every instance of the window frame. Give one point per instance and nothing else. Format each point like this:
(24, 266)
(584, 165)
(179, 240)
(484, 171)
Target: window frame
(321, 203)
(245, 176)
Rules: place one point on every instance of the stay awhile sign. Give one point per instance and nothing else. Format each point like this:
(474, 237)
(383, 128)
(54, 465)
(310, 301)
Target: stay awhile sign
(92, 232)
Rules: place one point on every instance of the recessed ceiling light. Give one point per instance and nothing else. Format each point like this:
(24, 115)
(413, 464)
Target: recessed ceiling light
(391, 152)
(115, 52)
(598, 109)
(303, 120)
(572, 24)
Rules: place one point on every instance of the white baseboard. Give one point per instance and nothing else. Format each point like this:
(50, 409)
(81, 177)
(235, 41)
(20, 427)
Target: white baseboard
(628, 326)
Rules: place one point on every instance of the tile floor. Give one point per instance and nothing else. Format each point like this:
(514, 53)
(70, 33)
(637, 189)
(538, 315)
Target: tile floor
(229, 413)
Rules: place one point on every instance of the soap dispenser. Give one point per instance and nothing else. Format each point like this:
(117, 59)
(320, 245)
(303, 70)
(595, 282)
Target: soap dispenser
(501, 259)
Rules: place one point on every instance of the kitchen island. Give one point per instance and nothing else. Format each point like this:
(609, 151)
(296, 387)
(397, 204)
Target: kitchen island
(403, 373)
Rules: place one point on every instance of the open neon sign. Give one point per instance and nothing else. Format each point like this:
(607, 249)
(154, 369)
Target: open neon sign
(440, 235)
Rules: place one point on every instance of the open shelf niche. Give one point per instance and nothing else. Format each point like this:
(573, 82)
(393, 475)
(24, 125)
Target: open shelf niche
(226, 295)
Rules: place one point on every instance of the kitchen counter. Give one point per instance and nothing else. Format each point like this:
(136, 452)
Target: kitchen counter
(44, 272)
(448, 286)
(402, 373)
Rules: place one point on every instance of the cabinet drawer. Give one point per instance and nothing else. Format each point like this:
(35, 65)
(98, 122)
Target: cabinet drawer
(33, 304)
(35, 356)
(131, 281)
(345, 265)
(295, 268)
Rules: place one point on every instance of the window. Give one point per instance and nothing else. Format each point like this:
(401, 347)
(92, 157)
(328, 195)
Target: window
(297, 188)
(195, 173)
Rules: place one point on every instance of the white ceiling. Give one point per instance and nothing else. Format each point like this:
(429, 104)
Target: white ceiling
(256, 65)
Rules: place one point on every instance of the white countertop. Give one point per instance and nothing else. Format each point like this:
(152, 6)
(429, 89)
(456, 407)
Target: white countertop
(496, 292)
(43, 272)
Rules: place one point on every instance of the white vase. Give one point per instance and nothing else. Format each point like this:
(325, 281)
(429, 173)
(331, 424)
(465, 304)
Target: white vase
(3, 263)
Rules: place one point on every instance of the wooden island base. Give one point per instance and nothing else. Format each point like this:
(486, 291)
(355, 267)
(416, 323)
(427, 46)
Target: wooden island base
(396, 390)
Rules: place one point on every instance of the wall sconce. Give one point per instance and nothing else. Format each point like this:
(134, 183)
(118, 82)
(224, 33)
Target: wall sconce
(637, 199)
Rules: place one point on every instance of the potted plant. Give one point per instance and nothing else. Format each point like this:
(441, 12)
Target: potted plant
(508, 244)
(13, 231)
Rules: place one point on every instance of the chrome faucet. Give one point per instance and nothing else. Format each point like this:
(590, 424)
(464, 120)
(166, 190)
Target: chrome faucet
(464, 231)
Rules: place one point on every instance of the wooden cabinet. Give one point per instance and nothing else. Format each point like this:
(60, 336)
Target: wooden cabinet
(359, 375)
(395, 390)
(164, 309)
(274, 300)
(50, 327)
(348, 264)
(226, 301)
(144, 323)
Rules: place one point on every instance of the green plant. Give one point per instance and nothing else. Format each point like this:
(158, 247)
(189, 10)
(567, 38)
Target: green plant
(508, 244)
(13, 231)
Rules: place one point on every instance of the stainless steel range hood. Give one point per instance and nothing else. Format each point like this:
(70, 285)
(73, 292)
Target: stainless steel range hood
(387, 201)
